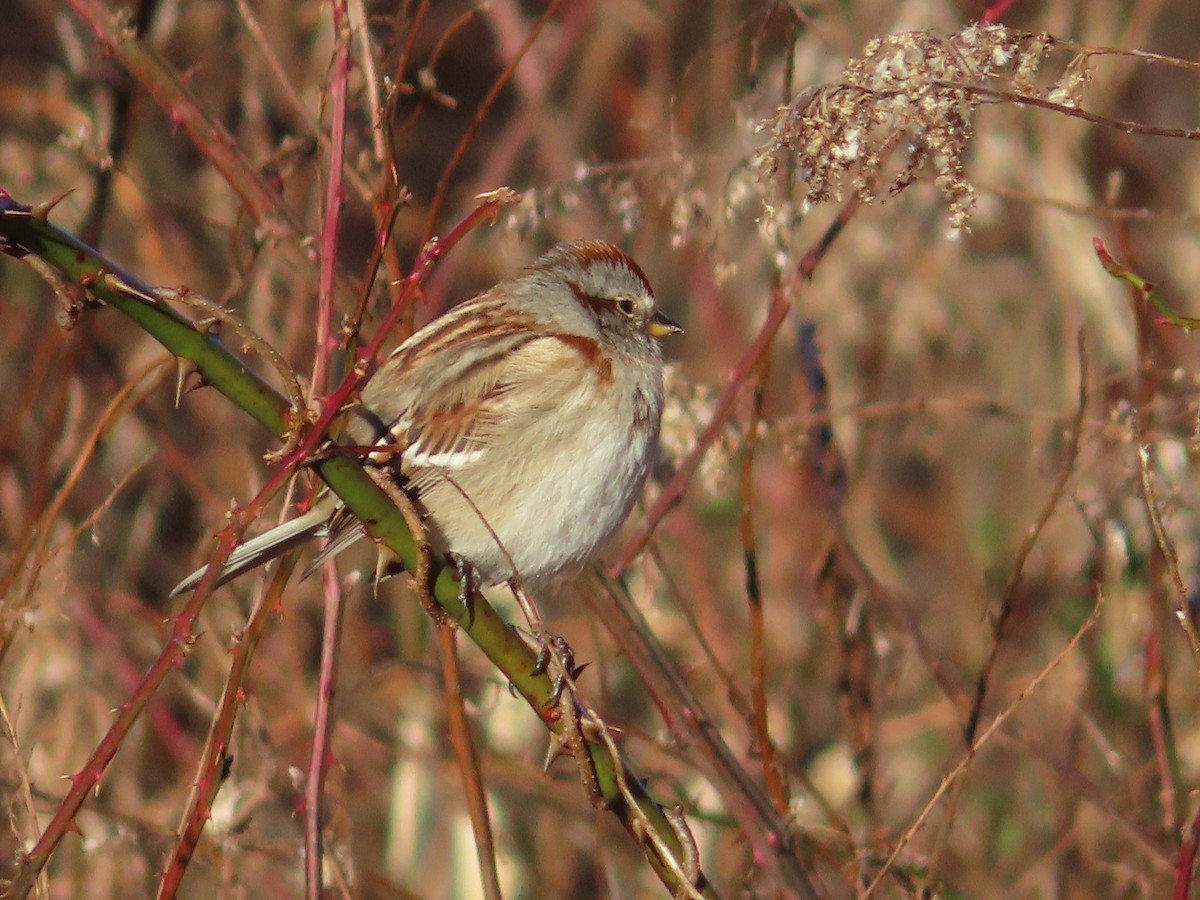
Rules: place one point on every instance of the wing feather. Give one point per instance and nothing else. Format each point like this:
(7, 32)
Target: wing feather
(444, 394)
(435, 399)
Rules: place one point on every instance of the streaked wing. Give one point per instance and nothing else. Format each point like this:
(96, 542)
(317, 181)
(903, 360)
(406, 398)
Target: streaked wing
(440, 395)
(448, 437)
(450, 419)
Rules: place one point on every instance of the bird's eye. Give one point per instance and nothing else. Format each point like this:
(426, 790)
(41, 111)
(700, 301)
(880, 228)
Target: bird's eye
(626, 307)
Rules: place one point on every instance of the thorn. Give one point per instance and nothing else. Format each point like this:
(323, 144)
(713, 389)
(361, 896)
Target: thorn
(184, 370)
(116, 283)
(386, 563)
(556, 748)
(41, 211)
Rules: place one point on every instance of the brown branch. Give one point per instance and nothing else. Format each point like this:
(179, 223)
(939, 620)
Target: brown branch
(674, 491)
(776, 786)
(335, 195)
(1128, 127)
(467, 756)
(988, 733)
(211, 768)
(1016, 574)
(481, 112)
(320, 754)
(210, 138)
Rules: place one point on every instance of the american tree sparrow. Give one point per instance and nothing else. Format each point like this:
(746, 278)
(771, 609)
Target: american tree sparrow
(522, 422)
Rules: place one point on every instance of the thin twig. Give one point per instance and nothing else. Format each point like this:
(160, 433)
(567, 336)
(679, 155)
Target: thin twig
(675, 488)
(1167, 548)
(319, 757)
(467, 757)
(1186, 862)
(287, 87)
(251, 340)
(326, 342)
(768, 832)
(994, 726)
(210, 138)
(212, 766)
(485, 105)
(776, 786)
(1016, 573)
(82, 783)
(27, 558)
(1125, 126)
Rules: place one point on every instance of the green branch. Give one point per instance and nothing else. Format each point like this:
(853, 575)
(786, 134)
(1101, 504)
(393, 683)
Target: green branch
(26, 233)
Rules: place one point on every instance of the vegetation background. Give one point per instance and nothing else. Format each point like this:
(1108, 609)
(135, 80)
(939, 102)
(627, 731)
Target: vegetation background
(959, 534)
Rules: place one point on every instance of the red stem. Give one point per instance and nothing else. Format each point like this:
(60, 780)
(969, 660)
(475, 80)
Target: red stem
(318, 761)
(675, 489)
(995, 9)
(326, 346)
(335, 194)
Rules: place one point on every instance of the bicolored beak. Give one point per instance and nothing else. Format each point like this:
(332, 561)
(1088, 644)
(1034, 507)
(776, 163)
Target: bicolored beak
(660, 326)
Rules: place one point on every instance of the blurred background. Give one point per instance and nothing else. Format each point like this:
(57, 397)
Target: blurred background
(925, 533)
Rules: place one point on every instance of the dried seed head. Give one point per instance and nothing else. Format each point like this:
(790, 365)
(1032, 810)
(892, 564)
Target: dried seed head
(910, 93)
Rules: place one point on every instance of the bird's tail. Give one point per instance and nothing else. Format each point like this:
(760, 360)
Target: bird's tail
(267, 546)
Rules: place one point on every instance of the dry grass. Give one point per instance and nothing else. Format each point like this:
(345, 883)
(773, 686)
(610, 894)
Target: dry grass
(873, 604)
